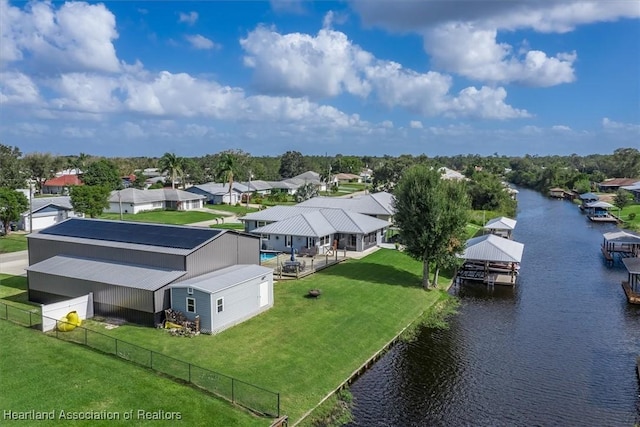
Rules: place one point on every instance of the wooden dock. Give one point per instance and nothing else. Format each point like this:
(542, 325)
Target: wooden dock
(632, 297)
(488, 278)
(608, 218)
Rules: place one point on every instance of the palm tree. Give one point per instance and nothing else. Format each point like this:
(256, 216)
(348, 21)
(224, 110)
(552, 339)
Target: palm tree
(227, 166)
(171, 163)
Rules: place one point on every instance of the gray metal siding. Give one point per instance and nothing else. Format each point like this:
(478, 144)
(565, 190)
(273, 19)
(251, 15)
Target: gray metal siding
(136, 299)
(240, 303)
(203, 306)
(41, 249)
(228, 249)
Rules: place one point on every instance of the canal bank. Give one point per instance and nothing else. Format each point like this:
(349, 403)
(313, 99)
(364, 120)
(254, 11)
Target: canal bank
(558, 349)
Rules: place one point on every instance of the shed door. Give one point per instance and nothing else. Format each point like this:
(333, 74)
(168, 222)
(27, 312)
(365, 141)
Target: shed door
(264, 294)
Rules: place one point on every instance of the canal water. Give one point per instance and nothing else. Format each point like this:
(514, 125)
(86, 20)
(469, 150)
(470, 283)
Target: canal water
(557, 350)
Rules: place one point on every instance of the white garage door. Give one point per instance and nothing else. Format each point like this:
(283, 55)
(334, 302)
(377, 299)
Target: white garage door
(43, 222)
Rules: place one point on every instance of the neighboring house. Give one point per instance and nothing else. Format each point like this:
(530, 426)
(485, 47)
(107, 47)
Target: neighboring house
(314, 230)
(132, 200)
(556, 193)
(129, 266)
(633, 189)
(60, 184)
(378, 205)
(451, 174)
(346, 177)
(45, 212)
(258, 187)
(613, 184)
(218, 193)
(366, 175)
(224, 297)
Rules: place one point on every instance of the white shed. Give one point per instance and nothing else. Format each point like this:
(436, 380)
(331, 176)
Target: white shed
(225, 297)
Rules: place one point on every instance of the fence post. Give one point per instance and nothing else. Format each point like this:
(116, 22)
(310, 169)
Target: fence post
(116, 346)
(233, 396)
(189, 372)
(29, 319)
(85, 336)
(278, 394)
(6, 311)
(151, 364)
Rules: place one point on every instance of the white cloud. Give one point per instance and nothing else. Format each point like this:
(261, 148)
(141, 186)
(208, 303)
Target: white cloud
(18, 88)
(75, 36)
(87, 93)
(561, 128)
(329, 64)
(609, 124)
(188, 18)
(200, 42)
(415, 124)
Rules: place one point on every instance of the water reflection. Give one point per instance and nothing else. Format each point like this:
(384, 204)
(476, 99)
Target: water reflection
(559, 349)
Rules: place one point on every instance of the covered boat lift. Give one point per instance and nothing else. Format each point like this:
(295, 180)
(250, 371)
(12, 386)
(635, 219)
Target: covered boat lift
(622, 243)
(587, 198)
(631, 286)
(599, 212)
(491, 259)
(501, 226)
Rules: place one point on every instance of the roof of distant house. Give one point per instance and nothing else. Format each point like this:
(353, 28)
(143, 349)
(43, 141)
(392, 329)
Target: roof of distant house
(346, 176)
(618, 182)
(63, 181)
(135, 196)
(380, 203)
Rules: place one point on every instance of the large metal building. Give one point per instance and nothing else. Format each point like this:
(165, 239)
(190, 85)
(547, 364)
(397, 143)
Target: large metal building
(128, 266)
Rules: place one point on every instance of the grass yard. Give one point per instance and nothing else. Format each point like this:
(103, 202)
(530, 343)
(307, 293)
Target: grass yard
(165, 217)
(13, 242)
(44, 374)
(229, 226)
(304, 348)
(232, 209)
(631, 224)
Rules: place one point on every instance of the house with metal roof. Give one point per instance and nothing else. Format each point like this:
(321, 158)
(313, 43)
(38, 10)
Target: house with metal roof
(45, 212)
(501, 226)
(225, 297)
(128, 266)
(133, 200)
(633, 189)
(306, 229)
(378, 205)
(217, 193)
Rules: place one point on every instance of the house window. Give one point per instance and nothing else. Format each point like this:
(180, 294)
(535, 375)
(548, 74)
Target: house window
(191, 305)
(352, 240)
(190, 291)
(288, 241)
(261, 223)
(220, 305)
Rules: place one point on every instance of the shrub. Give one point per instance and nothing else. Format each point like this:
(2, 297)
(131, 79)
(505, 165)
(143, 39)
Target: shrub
(632, 216)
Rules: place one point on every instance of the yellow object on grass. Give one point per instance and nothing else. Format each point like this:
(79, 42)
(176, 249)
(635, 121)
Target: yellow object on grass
(69, 322)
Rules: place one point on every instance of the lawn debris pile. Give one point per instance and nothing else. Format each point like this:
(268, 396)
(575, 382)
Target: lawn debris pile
(178, 324)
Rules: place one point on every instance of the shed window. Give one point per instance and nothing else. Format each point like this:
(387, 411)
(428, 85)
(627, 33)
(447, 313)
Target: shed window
(190, 291)
(191, 305)
(220, 305)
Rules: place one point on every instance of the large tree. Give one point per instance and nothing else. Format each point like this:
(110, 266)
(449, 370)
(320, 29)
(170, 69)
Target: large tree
(291, 164)
(102, 173)
(11, 175)
(90, 200)
(431, 214)
(226, 168)
(41, 167)
(171, 164)
(12, 205)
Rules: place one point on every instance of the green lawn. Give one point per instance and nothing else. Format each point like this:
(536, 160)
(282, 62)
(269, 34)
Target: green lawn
(229, 226)
(632, 224)
(42, 373)
(165, 217)
(232, 209)
(13, 291)
(13, 242)
(304, 348)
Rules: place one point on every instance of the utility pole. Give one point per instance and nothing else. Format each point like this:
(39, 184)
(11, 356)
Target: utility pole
(30, 206)
(249, 189)
(120, 204)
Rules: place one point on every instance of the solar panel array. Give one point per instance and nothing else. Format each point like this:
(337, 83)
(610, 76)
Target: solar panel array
(131, 232)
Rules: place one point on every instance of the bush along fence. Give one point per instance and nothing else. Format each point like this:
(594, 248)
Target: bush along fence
(249, 396)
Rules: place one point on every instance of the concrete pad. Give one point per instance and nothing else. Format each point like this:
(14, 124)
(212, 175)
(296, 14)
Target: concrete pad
(14, 263)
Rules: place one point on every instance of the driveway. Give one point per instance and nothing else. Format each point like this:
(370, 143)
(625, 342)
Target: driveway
(14, 263)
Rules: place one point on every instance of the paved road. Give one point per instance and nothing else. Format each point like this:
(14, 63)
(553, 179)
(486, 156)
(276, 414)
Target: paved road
(14, 263)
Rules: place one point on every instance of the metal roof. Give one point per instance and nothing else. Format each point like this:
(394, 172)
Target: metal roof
(589, 196)
(501, 223)
(277, 213)
(621, 237)
(112, 273)
(221, 188)
(632, 264)
(136, 196)
(371, 204)
(224, 278)
(322, 222)
(166, 236)
(599, 204)
(64, 202)
(493, 248)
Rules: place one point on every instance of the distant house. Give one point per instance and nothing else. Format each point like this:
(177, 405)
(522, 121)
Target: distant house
(633, 189)
(587, 198)
(613, 184)
(60, 184)
(347, 177)
(226, 297)
(451, 174)
(45, 212)
(132, 200)
(129, 266)
(556, 193)
(218, 193)
(366, 174)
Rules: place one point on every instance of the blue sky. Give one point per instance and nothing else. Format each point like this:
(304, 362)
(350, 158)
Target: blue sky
(361, 77)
